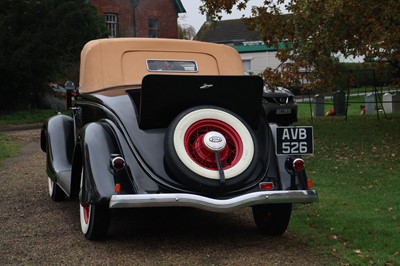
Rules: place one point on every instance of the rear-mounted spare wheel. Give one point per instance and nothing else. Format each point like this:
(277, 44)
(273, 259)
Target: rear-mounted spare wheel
(208, 148)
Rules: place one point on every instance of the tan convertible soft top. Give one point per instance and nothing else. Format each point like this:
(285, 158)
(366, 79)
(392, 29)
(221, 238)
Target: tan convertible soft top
(108, 63)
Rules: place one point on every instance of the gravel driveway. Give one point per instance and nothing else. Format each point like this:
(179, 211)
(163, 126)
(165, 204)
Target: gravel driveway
(36, 231)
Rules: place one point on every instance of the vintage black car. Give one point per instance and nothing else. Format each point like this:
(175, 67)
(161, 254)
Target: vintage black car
(155, 123)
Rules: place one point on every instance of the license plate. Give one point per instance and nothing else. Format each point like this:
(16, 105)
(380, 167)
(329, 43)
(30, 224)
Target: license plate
(283, 111)
(294, 140)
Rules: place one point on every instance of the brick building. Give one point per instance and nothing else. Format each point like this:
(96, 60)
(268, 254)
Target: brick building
(141, 18)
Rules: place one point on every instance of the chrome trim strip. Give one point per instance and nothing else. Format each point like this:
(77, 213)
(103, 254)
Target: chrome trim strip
(210, 204)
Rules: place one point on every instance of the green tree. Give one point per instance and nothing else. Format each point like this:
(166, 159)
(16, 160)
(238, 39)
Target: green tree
(315, 31)
(40, 41)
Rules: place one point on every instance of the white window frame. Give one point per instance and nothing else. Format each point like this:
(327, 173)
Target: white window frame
(112, 23)
(247, 62)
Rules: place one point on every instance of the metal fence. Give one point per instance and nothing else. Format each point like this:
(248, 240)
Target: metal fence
(367, 88)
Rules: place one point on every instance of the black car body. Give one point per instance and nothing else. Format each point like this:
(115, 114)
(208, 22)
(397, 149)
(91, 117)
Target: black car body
(142, 136)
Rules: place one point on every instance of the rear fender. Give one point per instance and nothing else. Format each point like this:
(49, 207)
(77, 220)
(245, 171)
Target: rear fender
(57, 140)
(286, 176)
(96, 143)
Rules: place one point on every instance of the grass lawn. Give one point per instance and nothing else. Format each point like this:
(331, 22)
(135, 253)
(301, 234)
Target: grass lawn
(355, 170)
(8, 147)
(25, 117)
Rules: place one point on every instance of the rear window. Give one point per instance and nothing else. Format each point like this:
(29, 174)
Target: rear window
(157, 65)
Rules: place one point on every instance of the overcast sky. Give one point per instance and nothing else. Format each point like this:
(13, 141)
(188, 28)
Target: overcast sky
(195, 19)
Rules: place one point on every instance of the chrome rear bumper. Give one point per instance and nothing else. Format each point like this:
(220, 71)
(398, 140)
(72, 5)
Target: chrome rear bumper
(210, 204)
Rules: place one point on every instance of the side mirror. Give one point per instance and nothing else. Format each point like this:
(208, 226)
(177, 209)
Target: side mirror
(71, 93)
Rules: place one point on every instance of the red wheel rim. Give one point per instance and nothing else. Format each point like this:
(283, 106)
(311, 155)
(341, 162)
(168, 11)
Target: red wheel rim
(199, 153)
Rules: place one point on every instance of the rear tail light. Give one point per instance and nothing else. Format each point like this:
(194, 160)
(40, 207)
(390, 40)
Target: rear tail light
(118, 163)
(298, 164)
(294, 165)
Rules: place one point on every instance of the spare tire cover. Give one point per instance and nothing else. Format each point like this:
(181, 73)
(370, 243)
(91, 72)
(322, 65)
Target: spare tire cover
(193, 138)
